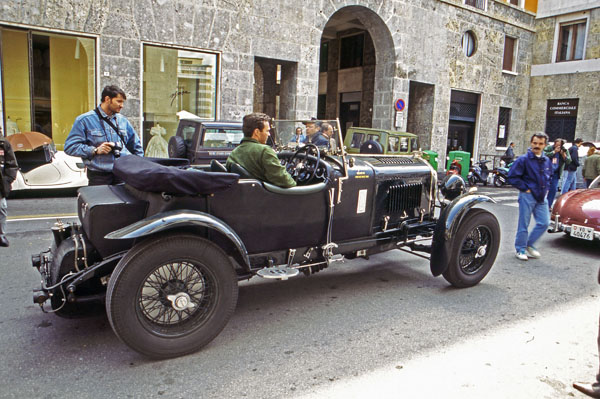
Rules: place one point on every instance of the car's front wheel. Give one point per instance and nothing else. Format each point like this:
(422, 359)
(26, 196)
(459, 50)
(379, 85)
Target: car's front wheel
(473, 249)
(171, 296)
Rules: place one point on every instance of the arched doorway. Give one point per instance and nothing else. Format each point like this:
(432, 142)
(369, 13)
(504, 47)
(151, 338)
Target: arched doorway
(356, 69)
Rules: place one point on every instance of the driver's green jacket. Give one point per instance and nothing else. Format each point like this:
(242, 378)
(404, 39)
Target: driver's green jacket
(261, 162)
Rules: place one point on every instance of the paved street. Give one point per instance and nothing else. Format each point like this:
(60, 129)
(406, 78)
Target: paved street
(378, 328)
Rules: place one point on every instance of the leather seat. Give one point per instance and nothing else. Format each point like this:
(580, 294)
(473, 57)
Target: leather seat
(216, 166)
(240, 170)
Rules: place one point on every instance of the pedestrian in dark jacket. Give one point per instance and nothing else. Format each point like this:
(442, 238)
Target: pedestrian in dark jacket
(8, 173)
(531, 174)
(570, 179)
(559, 157)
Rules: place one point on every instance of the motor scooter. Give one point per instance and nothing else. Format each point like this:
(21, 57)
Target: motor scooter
(479, 172)
(501, 175)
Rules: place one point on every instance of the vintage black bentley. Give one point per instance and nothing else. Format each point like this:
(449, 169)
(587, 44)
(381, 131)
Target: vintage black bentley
(164, 252)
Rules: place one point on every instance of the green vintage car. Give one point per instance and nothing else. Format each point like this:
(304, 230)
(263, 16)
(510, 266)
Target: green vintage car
(362, 140)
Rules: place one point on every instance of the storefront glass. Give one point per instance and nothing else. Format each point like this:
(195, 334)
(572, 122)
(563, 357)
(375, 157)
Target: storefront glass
(48, 80)
(175, 81)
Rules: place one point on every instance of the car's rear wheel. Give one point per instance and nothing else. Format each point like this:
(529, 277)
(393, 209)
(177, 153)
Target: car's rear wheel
(171, 296)
(474, 248)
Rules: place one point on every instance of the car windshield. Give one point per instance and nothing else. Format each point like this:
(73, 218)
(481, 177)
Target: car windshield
(325, 134)
(222, 138)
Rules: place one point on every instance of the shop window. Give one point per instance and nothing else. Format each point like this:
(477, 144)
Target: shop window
(468, 43)
(175, 81)
(351, 51)
(571, 41)
(481, 4)
(48, 80)
(510, 50)
(503, 127)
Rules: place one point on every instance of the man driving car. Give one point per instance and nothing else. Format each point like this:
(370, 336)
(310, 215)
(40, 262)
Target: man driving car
(257, 158)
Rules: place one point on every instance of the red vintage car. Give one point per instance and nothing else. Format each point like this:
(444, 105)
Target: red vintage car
(577, 213)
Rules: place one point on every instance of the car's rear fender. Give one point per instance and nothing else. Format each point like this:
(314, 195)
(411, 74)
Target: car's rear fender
(178, 219)
(447, 226)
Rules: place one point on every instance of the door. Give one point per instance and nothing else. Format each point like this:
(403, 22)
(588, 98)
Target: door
(349, 115)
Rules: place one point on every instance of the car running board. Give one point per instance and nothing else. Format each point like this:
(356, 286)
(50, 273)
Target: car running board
(278, 272)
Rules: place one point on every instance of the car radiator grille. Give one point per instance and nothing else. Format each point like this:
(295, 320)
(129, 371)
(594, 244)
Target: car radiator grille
(403, 197)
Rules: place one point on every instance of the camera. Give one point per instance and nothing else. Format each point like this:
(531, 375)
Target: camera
(116, 149)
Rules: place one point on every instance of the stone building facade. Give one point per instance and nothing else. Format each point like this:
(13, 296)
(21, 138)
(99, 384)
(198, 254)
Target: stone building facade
(564, 95)
(462, 67)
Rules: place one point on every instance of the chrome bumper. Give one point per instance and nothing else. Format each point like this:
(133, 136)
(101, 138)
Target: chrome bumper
(556, 226)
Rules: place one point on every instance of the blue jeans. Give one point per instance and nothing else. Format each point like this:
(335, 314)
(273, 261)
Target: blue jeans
(3, 214)
(552, 190)
(529, 206)
(569, 181)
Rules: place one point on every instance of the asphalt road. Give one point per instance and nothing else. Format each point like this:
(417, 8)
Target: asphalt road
(308, 335)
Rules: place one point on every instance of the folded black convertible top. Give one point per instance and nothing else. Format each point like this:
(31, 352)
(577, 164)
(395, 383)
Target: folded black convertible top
(147, 175)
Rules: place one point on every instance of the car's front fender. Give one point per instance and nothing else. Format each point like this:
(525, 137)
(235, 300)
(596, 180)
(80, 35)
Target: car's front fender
(446, 228)
(180, 218)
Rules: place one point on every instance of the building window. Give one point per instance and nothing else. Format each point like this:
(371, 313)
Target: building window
(510, 49)
(351, 51)
(514, 2)
(481, 4)
(571, 41)
(468, 43)
(176, 80)
(48, 80)
(323, 58)
(503, 127)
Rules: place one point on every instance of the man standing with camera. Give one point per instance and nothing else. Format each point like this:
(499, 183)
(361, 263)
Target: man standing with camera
(560, 157)
(101, 135)
(8, 174)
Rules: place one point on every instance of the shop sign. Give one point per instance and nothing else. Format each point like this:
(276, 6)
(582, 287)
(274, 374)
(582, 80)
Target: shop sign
(563, 108)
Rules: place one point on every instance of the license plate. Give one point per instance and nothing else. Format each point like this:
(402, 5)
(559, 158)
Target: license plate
(586, 233)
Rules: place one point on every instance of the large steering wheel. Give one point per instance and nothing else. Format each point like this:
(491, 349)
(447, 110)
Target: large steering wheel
(301, 171)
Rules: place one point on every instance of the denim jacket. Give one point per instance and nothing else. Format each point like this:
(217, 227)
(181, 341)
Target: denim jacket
(532, 173)
(89, 132)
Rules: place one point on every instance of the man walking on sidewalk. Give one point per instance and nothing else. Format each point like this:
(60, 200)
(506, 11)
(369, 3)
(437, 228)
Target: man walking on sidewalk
(531, 173)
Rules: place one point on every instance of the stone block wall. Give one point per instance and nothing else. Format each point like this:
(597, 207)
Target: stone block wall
(416, 40)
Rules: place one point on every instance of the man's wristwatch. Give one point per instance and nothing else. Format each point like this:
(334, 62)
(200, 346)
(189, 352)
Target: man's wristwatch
(95, 151)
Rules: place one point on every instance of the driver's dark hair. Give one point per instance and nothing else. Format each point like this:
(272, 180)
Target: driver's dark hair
(112, 91)
(253, 121)
(539, 135)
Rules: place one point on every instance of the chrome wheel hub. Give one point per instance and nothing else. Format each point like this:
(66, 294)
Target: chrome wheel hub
(481, 251)
(181, 301)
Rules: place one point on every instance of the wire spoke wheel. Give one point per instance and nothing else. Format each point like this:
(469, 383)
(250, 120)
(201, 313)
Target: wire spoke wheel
(185, 281)
(473, 252)
(473, 248)
(171, 295)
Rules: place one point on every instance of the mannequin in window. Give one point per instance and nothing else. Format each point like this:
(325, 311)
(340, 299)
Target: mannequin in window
(157, 146)
(11, 127)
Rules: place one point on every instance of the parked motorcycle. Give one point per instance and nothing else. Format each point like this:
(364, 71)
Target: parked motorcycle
(479, 172)
(501, 175)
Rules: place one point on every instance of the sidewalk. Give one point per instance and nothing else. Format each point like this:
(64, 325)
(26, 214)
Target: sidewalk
(539, 358)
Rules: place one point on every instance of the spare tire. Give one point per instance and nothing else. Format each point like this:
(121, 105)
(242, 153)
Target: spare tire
(371, 147)
(177, 147)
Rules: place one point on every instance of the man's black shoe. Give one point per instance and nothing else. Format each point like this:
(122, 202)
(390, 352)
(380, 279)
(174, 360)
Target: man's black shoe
(592, 390)
(3, 241)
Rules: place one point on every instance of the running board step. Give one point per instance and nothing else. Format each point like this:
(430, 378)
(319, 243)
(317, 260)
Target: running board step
(278, 272)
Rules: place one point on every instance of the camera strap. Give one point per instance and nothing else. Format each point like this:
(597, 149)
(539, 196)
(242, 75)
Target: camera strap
(109, 122)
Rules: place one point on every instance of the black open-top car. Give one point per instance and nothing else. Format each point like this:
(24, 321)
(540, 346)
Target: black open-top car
(164, 251)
